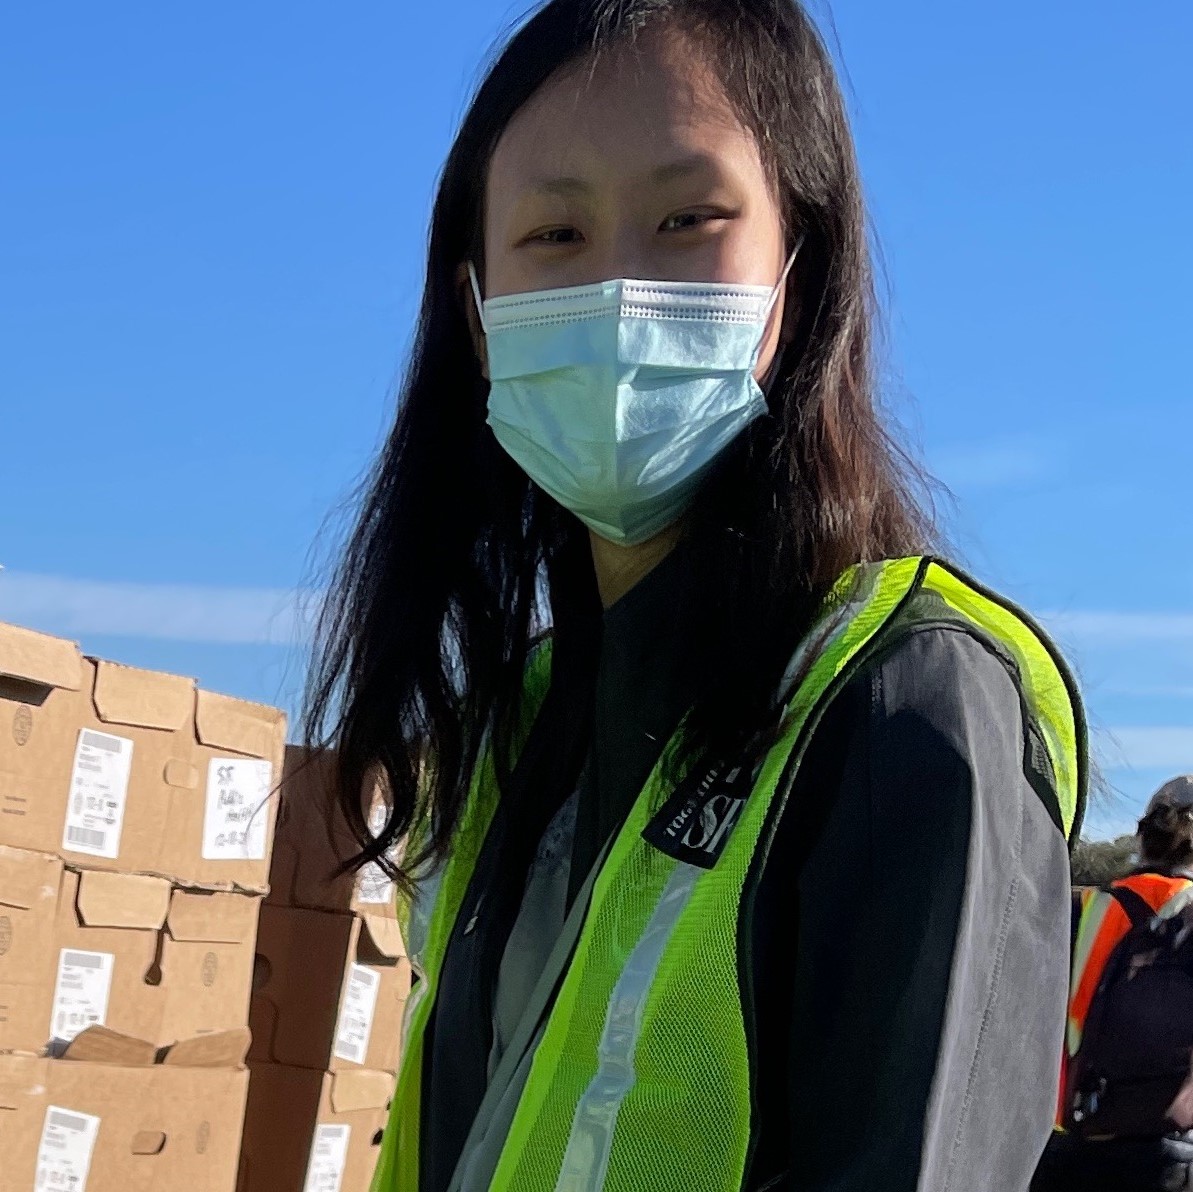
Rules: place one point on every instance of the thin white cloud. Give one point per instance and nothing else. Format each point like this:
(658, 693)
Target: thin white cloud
(992, 465)
(1151, 748)
(1144, 691)
(1122, 628)
(177, 612)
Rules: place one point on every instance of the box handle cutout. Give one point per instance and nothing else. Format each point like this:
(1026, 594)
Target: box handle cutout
(262, 972)
(153, 974)
(149, 1142)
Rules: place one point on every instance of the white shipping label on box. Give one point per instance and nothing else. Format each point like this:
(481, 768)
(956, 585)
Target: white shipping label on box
(235, 816)
(64, 1154)
(329, 1157)
(81, 992)
(98, 794)
(356, 1014)
(373, 884)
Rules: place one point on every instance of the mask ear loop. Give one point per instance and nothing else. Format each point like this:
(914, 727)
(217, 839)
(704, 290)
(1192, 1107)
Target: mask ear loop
(480, 303)
(774, 294)
(770, 306)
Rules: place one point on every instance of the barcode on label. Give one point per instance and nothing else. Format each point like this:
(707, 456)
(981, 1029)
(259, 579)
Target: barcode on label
(329, 1157)
(356, 1014)
(81, 992)
(64, 1153)
(91, 960)
(98, 794)
(364, 976)
(103, 741)
(87, 836)
(67, 1121)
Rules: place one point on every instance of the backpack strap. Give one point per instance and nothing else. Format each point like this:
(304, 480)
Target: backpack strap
(1138, 909)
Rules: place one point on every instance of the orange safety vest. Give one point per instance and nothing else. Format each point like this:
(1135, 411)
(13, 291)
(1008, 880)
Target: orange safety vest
(1102, 926)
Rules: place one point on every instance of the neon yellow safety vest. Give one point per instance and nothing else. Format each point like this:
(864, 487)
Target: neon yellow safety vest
(641, 1080)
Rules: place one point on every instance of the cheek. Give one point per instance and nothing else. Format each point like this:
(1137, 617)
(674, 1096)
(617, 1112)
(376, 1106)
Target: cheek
(501, 275)
(770, 342)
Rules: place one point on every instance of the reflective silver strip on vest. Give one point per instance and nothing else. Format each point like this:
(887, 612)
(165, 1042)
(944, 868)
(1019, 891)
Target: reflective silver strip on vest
(426, 896)
(1093, 915)
(827, 632)
(586, 1159)
(1176, 903)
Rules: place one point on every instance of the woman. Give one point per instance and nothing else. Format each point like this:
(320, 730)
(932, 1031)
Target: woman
(1162, 1160)
(751, 872)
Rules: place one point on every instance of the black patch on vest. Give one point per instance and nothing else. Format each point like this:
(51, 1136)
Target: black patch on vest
(695, 823)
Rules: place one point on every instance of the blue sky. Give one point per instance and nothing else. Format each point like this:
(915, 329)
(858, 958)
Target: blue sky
(214, 227)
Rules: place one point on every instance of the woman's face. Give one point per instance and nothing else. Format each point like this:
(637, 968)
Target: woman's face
(639, 170)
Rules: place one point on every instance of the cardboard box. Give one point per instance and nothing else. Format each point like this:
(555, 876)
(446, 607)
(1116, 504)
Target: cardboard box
(128, 951)
(88, 752)
(334, 1122)
(328, 991)
(221, 823)
(119, 1117)
(129, 770)
(313, 840)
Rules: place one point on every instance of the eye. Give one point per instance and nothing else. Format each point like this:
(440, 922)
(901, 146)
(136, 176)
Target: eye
(687, 221)
(562, 235)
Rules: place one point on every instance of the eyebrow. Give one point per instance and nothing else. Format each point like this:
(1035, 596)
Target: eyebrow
(684, 167)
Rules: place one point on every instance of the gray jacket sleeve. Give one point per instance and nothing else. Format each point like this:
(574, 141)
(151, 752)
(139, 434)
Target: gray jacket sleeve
(933, 931)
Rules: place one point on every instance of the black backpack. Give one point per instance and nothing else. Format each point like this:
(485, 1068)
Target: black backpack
(1132, 1076)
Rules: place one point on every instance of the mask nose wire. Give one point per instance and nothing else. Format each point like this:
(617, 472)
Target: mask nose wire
(480, 304)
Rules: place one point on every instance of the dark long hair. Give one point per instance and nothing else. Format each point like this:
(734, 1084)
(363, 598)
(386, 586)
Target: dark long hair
(457, 559)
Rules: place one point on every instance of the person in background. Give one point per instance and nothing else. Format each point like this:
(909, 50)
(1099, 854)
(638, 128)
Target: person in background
(741, 858)
(1101, 922)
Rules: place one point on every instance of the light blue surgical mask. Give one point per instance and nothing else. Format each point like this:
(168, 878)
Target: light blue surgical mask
(616, 398)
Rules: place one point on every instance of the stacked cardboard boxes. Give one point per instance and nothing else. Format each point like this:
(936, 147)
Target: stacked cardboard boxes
(328, 995)
(136, 820)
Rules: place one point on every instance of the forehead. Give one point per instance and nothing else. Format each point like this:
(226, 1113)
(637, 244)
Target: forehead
(658, 98)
